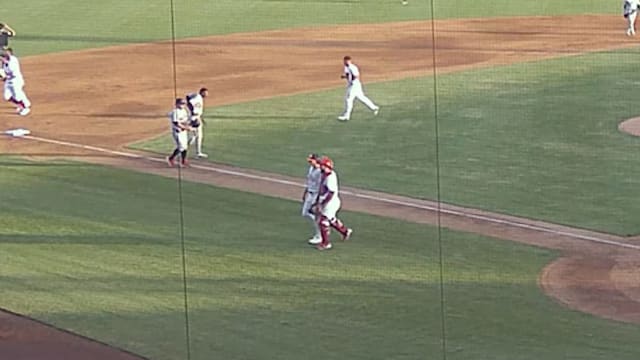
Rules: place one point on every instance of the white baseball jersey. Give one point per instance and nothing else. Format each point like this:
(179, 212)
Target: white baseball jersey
(196, 104)
(12, 69)
(330, 184)
(353, 73)
(314, 178)
(630, 6)
(178, 116)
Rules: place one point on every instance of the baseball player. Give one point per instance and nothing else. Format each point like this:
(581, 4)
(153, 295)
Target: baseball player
(354, 90)
(328, 207)
(14, 83)
(630, 12)
(310, 194)
(195, 102)
(180, 127)
(5, 33)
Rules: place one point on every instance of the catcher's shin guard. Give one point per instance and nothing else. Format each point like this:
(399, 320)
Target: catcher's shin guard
(339, 226)
(325, 229)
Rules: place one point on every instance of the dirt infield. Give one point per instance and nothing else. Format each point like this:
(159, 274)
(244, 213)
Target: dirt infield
(117, 95)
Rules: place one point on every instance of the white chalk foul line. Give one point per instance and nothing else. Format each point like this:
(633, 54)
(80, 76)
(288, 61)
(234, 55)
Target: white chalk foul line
(458, 213)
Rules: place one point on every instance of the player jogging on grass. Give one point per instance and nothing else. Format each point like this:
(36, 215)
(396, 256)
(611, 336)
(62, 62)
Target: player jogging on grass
(354, 90)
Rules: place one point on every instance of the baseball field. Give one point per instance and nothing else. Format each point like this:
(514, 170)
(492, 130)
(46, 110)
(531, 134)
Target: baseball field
(492, 198)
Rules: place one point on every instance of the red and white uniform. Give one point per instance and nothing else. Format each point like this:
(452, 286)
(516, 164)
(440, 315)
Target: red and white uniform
(14, 83)
(354, 91)
(180, 136)
(330, 188)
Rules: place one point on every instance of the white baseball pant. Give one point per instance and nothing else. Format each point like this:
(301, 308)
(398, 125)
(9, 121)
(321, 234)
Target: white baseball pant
(354, 91)
(14, 89)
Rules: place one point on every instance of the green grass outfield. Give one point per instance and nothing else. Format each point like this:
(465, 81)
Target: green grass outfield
(56, 25)
(259, 292)
(535, 139)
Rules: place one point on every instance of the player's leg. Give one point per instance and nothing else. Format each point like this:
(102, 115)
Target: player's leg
(8, 93)
(183, 146)
(307, 208)
(327, 218)
(632, 23)
(172, 158)
(349, 98)
(337, 223)
(359, 94)
(325, 232)
(199, 140)
(21, 99)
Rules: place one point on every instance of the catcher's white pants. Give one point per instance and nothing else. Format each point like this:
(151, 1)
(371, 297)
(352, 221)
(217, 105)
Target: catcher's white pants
(181, 138)
(331, 209)
(354, 91)
(631, 30)
(14, 89)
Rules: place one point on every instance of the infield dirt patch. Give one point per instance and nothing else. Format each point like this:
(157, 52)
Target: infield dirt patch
(113, 96)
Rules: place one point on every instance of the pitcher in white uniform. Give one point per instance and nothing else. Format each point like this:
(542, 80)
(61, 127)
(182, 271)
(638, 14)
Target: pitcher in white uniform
(14, 83)
(180, 127)
(630, 12)
(354, 90)
(310, 194)
(328, 206)
(195, 103)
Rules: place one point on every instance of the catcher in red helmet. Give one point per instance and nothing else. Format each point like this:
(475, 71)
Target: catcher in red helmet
(328, 207)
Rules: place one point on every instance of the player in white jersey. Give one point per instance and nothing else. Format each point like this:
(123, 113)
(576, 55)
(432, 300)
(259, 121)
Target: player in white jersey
(180, 127)
(310, 195)
(195, 102)
(14, 83)
(328, 207)
(354, 90)
(630, 12)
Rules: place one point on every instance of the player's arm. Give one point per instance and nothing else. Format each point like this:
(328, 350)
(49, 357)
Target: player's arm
(328, 196)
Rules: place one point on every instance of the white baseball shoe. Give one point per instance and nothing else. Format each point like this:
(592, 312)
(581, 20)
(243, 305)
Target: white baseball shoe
(405, 2)
(347, 236)
(24, 112)
(376, 111)
(328, 246)
(315, 240)
(343, 118)
(202, 155)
